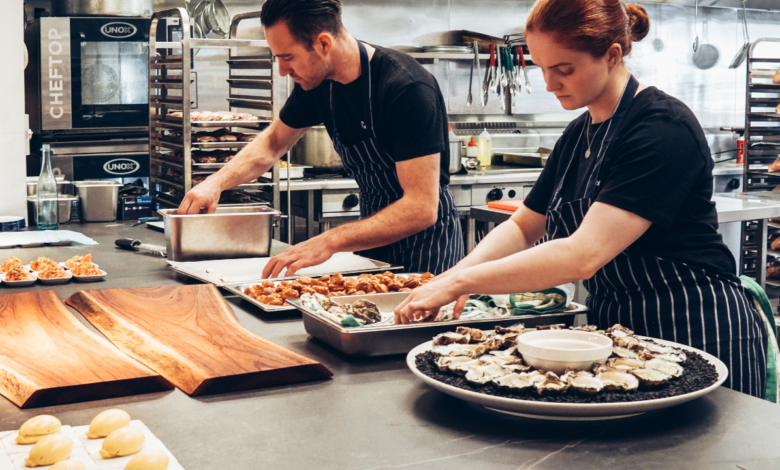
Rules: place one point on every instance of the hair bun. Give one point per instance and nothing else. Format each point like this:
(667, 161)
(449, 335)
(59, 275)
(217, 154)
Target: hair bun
(638, 21)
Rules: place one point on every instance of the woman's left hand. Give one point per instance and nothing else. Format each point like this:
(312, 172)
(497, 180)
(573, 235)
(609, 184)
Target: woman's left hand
(425, 301)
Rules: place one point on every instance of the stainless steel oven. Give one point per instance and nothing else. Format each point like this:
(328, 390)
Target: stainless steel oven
(88, 74)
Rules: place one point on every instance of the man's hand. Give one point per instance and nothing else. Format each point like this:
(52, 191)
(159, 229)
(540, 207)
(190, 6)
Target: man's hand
(202, 199)
(309, 253)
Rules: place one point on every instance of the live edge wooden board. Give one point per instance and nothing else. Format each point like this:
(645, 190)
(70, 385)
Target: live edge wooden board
(191, 336)
(48, 357)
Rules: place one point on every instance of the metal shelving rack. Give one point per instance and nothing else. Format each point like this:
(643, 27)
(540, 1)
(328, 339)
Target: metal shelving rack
(762, 147)
(253, 83)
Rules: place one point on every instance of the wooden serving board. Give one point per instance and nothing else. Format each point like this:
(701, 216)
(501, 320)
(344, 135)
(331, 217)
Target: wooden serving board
(191, 336)
(48, 357)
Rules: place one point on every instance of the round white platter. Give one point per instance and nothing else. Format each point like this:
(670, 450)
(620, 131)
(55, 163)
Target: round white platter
(569, 411)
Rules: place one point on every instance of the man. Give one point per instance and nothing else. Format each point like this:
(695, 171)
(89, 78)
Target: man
(388, 122)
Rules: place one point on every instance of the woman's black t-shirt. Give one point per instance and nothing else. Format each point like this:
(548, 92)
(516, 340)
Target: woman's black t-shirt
(658, 167)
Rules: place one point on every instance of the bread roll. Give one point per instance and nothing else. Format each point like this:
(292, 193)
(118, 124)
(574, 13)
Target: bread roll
(773, 272)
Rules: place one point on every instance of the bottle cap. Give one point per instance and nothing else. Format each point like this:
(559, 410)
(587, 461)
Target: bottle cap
(45, 147)
(472, 143)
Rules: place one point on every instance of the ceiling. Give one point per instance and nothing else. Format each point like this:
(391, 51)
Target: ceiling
(772, 5)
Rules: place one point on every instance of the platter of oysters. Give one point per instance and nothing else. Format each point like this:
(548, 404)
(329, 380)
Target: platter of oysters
(636, 375)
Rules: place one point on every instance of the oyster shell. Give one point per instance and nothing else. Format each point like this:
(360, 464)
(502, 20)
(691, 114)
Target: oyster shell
(551, 384)
(585, 382)
(494, 343)
(650, 377)
(484, 374)
(514, 382)
(366, 310)
(519, 328)
(625, 363)
(629, 342)
(323, 300)
(474, 333)
(678, 356)
(445, 362)
(615, 379)
(659, 349)
(556, 326)
(588, 328)
(672, 369)
(470, 350)
(449, 337)
(624, 353)
(508, 340)
(461, 368)
(618, 331)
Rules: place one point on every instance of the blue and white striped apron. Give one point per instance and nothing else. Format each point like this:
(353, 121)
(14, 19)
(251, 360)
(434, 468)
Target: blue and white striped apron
(663, 298)
(435, 249)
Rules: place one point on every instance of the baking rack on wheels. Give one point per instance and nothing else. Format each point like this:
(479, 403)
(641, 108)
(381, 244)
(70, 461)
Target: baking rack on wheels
(762, 148)
(185, 145)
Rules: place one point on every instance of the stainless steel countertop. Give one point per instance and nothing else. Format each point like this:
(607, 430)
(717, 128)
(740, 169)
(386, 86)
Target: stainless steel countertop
(374, 414)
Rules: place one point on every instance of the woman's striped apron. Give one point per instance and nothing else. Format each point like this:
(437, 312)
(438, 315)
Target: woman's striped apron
(663, 298)
(435, 249)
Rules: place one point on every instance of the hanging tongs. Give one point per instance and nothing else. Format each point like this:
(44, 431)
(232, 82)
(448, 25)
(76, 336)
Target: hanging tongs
(743, 51)
(486, 86)
(525, 71)
(476, 67)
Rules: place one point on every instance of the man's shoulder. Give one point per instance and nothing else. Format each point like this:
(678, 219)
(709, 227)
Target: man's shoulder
(396, 70)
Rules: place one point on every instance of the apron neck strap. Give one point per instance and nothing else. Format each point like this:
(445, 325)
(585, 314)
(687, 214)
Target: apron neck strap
(365, 83)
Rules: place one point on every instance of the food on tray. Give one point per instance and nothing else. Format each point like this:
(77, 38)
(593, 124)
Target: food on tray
(122, 442)
(41, 263)
(491, 359)
(68, 465)
(53, 272)
(773, 271)
(197, 179)
(76, 260)
(362, 312)
(206, 138)
(775, 245)
(13, 260)
(107, 422)
(216, 116)
(176, 114)
(49, 450)
(86, 269)
(148, 460)
(35, 429)
(272, 294)
(228, 138)
(17, 273)
(774, 167)
(777, 109)
(171, 173)
(205, 159)
(248, 137)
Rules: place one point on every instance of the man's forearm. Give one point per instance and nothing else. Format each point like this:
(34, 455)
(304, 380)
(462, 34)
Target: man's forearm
(395, 222)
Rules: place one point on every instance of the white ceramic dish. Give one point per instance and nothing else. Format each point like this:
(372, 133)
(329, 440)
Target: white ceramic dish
(26, 283)
(569, 411)
(57, 280)
(558, 350)
(94, 278)
(67, 268)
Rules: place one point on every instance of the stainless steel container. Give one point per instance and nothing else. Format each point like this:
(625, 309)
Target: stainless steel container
(103, 7)
(316, 149)
(230, 232)
(98, 200)
(63, 207)
(32, 186)
(456, 150)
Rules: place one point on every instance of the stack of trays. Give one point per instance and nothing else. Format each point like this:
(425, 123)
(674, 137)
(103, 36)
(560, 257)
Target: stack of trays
(11, 223)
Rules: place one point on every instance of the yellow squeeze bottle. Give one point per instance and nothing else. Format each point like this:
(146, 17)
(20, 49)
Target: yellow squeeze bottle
(484, 154)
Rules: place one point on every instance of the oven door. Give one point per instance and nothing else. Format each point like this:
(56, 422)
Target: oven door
(110, 72)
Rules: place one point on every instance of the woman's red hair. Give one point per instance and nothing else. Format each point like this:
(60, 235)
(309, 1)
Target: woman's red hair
(590, 25)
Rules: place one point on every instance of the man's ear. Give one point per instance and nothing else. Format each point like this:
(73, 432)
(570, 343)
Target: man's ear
(323, 43)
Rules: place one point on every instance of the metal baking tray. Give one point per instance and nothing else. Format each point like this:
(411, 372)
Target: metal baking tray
(253, 124)
(238, 289)
(400, 339)
(296, 172)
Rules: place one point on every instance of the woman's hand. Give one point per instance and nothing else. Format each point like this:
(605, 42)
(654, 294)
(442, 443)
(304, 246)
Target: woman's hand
(424, 302)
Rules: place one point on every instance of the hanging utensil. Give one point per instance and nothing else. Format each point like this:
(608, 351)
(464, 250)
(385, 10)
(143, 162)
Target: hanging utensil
(525, 71)
(475, 64)
(743, 51)
(512, 75)
(516, 63)
(696, 27)
(486, 83)
(470, 98)
(492, 82)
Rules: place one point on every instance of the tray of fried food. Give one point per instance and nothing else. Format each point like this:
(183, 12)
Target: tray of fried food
(213, 160)
(216, 118)
(271, 295)
(54, 274)
(18, 276)
(87, 272)
(220, 138)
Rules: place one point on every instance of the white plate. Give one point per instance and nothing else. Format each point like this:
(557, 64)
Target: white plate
(26, 283)
(67, 268)
(569, 411)
(57, 280)
(94, 278)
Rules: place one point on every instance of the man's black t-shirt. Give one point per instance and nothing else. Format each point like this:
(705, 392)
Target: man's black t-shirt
(409, 112)
(658, 167)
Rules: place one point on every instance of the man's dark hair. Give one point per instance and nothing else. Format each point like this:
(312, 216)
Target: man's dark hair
(306, 19)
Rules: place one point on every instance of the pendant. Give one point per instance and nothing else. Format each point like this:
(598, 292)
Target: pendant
(587, 153)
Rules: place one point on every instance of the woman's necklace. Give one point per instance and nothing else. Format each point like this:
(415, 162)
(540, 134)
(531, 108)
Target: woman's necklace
(588, 138)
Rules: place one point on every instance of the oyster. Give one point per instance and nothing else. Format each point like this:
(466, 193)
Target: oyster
(534, 376)
(462, 367)
(484, 374)
(615, 379)
(367, 311)
(629, 342)
(470, 350)
(449, 337)
(585, 382)
(509, 340)
(475, 333)
(588, 328)
(519, 328)
(556, 326)
(624, 353)
(625, 363)
(551, 384)
(514, 382)
(323, 300)
(445, 362)
(655, 348)
(618, 331)
(494, 343)
(651, 377)
(669, 368)
(678, 356)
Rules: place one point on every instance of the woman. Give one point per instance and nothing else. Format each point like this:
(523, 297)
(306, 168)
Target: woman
(625, 200)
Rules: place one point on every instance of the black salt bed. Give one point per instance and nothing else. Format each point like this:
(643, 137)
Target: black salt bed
(698, 374)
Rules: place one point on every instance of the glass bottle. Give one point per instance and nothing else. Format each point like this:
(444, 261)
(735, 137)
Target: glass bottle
(484, 154)
(48, 212)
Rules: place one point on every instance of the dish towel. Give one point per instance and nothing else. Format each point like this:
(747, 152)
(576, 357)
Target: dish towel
(11, 239)
(764, 308)
(538, 303)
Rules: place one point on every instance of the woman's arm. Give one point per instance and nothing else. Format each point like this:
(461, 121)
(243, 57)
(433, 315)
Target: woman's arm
(605, 232)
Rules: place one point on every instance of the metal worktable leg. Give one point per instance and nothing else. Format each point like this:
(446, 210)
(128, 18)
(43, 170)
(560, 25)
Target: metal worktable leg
(471, 236)
(310, 222)
(762, 235)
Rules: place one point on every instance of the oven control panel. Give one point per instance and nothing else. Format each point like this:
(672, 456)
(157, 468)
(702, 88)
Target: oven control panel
(481, 194)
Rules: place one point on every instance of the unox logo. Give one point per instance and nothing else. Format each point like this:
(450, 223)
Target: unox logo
(118, 30)
(121, 166)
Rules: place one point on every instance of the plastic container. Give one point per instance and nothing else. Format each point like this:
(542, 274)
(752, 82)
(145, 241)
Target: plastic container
(484, 154)
(46, 194)
(471, 149)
